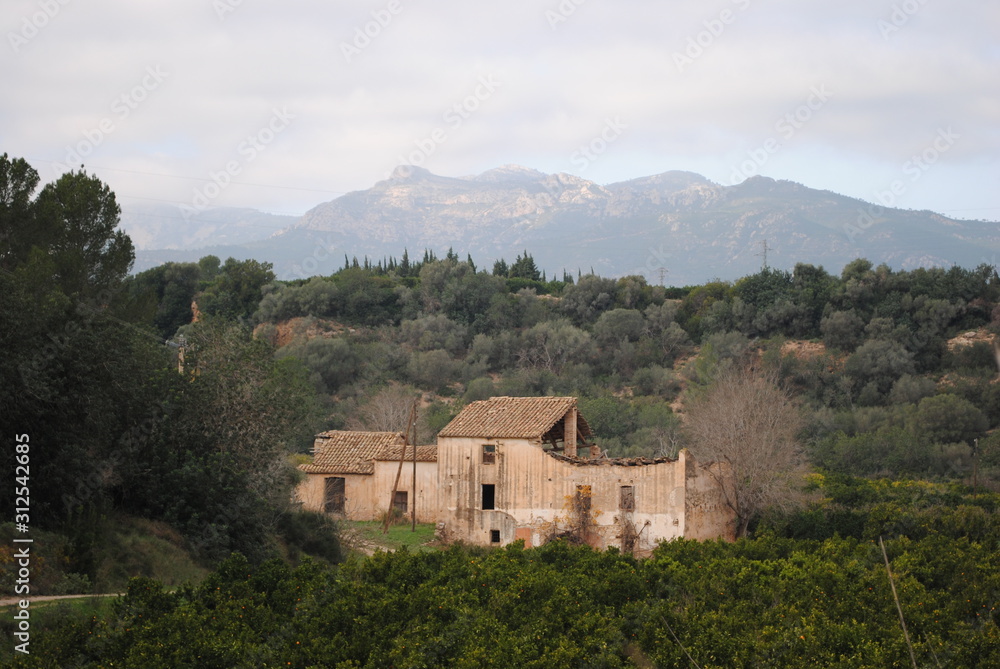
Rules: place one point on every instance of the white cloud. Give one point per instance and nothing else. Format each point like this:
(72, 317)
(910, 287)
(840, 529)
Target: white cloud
(353, 119)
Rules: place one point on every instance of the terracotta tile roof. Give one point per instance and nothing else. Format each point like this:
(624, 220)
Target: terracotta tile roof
(424, 453)
(342, 452)
(514, 418)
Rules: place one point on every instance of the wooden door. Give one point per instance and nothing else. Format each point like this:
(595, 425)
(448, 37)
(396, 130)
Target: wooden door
(334, 495)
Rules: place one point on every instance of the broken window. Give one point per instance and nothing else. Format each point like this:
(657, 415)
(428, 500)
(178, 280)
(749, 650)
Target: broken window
(489, 496)
(494, 536)
(399, 501)
(583, 493)
(626, 501)
(489, 454)
(333, 494)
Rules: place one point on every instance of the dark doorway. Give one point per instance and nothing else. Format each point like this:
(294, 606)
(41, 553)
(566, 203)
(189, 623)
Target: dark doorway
(489, 496)
(399, 501)
(333, 494)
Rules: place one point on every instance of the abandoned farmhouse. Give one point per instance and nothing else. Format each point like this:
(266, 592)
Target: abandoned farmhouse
(512, 468)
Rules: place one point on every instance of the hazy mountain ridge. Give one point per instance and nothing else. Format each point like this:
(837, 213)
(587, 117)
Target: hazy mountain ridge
(680, 221)
(165, 227)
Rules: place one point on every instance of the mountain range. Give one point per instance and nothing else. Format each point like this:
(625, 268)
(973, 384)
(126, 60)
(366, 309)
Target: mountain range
(678, 227)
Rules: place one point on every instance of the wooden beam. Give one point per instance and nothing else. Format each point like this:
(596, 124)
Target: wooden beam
(569, 432)
(402, 457)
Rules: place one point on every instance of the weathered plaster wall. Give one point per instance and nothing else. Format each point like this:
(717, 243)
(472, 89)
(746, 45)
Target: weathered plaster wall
(367, 495)
(536, 497)
(706, 513)
(427, 497)
(357, 493)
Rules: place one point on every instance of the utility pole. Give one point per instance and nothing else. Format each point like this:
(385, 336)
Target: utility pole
(410, 424)
(975, 469)
(413, 495)
(663, 271)
(181, 345)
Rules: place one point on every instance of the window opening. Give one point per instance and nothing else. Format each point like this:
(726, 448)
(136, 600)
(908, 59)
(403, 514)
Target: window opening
(399, 501)
(627, 500)
(489, 496)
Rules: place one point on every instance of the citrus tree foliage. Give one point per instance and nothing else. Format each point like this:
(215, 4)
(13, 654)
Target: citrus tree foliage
(772, 601)
(862, 508)
(748, 427)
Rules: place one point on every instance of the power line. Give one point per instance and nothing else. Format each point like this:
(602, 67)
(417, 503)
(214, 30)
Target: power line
(202, 179)
(175, 202)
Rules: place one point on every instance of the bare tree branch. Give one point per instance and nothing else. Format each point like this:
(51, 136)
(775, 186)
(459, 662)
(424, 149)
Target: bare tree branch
(749, 424)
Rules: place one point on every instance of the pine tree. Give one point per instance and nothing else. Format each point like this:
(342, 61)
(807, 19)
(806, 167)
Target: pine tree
(524, 268)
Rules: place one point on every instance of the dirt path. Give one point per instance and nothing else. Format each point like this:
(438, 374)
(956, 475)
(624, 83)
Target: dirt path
(353, 539)
(11, 601)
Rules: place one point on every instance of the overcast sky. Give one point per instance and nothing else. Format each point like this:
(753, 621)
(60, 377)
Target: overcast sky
(290, 104)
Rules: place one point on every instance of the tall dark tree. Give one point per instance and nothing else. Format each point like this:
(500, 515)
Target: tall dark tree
(78, 214)
(18, 233)
(404, 264)
(524, 268)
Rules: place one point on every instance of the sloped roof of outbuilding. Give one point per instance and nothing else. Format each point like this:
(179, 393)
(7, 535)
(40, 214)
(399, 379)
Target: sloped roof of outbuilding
(514, 418)
(424, 453)
(347, 452)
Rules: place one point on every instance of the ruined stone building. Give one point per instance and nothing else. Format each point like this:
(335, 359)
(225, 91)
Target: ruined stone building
(512, 468)
(352, 476)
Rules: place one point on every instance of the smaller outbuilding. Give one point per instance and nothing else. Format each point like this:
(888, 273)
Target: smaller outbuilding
(353, 473)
